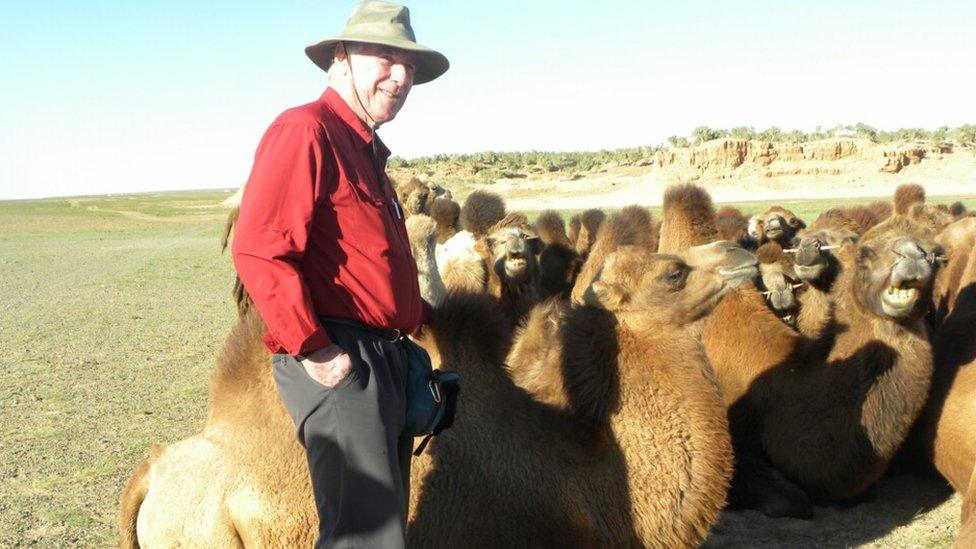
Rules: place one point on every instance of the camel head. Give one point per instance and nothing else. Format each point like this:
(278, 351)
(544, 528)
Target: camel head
(684, 286)
(778, 279)
(514, 252)
(418, 196)
(896, 266)
(813, 258)
(781, 225)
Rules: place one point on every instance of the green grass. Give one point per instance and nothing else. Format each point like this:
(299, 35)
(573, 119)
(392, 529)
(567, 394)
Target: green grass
(109, 323)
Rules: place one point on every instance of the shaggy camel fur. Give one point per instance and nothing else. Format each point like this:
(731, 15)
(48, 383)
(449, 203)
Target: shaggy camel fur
(422, 233)
(481, 211)
(559, 263)
(631, 226)
(831, 426)
(643, 459)
(589, 225)
(732, 224)
(445, 213)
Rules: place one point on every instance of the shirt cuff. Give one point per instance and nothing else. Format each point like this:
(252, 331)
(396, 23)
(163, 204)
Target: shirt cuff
(318, 339)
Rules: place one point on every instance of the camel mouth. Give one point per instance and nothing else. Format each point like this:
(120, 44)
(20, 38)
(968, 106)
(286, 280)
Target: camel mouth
(515, 265)
(899, 302)
(809, 272)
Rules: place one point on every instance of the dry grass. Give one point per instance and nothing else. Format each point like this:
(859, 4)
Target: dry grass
(111, 311)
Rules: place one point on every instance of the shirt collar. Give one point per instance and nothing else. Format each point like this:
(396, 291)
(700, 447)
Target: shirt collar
(356, 127)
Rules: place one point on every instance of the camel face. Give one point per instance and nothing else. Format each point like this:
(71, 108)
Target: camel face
(811, 259)
(686, 285)
(781, 225)
(514, 252)
(780, 282)
(896, 273)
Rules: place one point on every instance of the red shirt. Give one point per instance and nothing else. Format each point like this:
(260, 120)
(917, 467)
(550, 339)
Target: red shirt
(320, 233)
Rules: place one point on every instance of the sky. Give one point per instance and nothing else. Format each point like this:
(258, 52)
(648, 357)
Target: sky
(105, 97)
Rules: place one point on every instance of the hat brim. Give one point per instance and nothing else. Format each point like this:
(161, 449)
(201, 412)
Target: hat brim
(430, 64)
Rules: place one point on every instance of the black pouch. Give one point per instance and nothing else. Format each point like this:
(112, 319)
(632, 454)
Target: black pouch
(431, 395)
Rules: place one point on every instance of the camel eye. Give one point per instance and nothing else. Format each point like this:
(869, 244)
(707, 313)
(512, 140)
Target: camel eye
(676, 276)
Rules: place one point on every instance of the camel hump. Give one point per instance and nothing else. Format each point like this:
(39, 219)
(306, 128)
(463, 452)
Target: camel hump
(133, 495)
(552, 229)
(470, 320)
(481, 211)
(229, 227)
(688, 220)
(906, 196)
(445, 211)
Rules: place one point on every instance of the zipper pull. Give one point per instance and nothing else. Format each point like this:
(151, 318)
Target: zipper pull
(396, 208)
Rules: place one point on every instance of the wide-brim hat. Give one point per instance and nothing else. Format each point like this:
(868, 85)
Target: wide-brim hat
(388, 24)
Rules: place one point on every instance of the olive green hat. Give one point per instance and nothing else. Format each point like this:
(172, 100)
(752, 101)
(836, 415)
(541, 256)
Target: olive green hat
(385, 23)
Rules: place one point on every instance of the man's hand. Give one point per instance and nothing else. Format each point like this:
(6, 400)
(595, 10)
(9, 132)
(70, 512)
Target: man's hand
(328, 365)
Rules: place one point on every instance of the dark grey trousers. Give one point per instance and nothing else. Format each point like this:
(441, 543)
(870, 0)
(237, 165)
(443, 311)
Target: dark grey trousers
(358, 457)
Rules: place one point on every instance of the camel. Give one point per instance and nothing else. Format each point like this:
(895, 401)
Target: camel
(945, 434)
(445, 213)
(242, 481)
(641, 457)
(558, 262)
(631, 226)
(649, 465)
(780, 225)
(512, 249)
(778, 281)
(417, 196)
(831, 426)
(732, 224)
(422, 233)
(463, 259)
(589, 225)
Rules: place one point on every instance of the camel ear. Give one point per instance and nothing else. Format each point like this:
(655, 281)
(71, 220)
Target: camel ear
(609, 296)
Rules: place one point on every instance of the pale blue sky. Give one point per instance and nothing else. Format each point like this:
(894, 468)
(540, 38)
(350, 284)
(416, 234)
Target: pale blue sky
(112, 96)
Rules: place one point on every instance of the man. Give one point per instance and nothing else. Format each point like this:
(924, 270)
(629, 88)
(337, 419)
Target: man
(322, 249)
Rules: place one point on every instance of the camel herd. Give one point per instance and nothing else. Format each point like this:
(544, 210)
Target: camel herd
(625, 378)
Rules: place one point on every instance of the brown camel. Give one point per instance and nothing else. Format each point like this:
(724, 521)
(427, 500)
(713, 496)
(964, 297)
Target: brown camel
(732, 224)
(445, 213)
(831, 426)
(511, 250)
(589, 225)
(946, 432)
(631, 226)
(559, 264)
(780, 225)
(642, 458)
(417, 196)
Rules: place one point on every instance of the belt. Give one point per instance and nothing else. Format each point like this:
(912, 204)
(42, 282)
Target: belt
(389, 334)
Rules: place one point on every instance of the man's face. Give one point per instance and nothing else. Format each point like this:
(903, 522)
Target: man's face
(383, 77)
